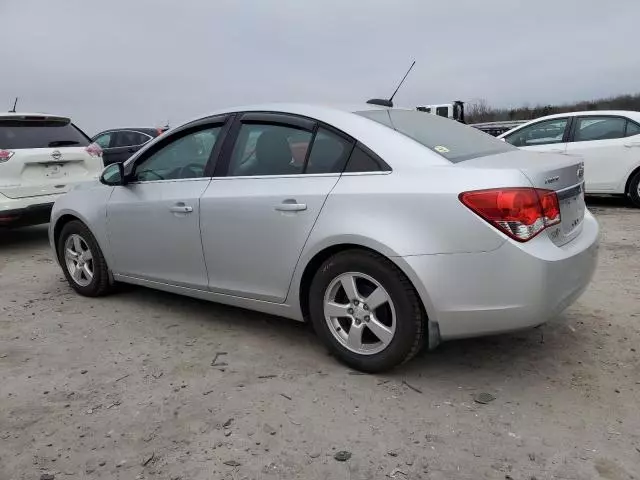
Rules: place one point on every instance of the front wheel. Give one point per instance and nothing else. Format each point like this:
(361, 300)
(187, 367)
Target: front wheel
(634, 190)
(366, 311)
(82, 261)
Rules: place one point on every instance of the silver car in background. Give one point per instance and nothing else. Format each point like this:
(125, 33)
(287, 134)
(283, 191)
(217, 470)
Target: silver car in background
(386, 228)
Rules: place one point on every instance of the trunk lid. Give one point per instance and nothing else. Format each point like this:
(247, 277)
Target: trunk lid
(548, 171)
(47, 155)
(46, 171)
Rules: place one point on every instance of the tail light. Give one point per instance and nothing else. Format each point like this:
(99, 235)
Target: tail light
(94, 150)
(521, 213)
(5, 155)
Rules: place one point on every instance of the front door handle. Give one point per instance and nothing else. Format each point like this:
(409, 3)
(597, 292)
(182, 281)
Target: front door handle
(291, 205)
(181, 208)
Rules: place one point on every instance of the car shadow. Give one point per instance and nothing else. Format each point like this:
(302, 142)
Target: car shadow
(27, 237)
(534, 354)
(614, 201)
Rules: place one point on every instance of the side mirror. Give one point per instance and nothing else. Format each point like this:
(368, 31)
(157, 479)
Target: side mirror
(113, 175)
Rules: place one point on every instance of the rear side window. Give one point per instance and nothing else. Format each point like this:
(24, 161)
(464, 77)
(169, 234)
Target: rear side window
(363, 161)
(40, 133)
(632, 128)
(452, 140)
(599, 128)
(329, 153)
(128, 138)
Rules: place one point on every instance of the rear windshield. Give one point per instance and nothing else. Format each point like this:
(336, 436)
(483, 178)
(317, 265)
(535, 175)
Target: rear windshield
(46, 133)
(452, 140)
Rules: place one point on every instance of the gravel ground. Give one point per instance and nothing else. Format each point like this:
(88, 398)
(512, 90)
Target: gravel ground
(149, 385)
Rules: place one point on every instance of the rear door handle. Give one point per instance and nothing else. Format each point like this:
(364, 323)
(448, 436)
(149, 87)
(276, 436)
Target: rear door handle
(291, 205)
(181, 208)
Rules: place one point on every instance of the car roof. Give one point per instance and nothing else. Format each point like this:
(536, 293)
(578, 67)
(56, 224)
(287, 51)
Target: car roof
(623, 113)
(585, 113)
(26, 114)
(148, 130)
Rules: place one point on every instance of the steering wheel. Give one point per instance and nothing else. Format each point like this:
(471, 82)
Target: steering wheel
(196, 169)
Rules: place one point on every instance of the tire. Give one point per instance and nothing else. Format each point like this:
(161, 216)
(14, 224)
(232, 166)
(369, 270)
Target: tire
(634, 190)
(76, 235)
(402, 315)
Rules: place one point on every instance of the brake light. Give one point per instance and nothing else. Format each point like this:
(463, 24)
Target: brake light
(521, 213)
(5, 155)
(94, 150)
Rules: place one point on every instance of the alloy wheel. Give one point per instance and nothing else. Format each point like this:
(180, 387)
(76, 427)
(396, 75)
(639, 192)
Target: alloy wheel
(79, 259)
(360, 313)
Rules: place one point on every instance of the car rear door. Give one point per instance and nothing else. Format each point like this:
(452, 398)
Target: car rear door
(600, 141)
(46, 155)
(153, 222)
(260, 207)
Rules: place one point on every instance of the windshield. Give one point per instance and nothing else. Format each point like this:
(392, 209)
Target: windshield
(46, 133)
(452, 140)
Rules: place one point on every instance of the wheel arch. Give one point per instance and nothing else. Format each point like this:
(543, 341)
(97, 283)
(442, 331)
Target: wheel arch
(323, 254)
(627, 184)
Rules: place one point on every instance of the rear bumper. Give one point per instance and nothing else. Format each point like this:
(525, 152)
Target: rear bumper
(514, 287)
(24, 212)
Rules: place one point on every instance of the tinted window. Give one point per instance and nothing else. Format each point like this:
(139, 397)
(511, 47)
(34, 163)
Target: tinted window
(632, 128)
(361, 161)
(103, 140)
(329, 153)
(263, 149)
(185, 157)
(540, 133)
(599, 128)
(452, 140)
(126, 138)
(15, 134)
(442, 111)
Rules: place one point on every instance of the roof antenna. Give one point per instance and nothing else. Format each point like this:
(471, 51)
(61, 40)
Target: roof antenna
(14, 106)
(389, 103)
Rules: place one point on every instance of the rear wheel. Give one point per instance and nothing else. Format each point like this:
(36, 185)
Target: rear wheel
(82, 260)
(634, 189)
(366, 311)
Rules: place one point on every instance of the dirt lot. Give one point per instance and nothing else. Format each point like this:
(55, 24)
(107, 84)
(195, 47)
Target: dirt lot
(136, 386)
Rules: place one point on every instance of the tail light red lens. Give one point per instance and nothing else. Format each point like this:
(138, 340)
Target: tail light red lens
(94, 150)
(521, 213)
(5, 155)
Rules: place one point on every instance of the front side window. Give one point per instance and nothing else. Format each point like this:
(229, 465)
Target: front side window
(267, 149)
(452, 140)
(104, 140)
(183, 158)
(599, 128)
(540, 133)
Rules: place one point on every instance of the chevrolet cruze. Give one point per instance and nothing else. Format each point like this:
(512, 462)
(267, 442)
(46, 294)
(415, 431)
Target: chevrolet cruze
(388, 229)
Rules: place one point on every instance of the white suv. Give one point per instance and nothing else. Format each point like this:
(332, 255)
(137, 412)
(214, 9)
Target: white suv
(41, 157)
(607, 141)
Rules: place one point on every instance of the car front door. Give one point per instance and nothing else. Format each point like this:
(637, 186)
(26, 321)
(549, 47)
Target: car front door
(153, 221)
(543, 136)
(599, 141)
(258, 211)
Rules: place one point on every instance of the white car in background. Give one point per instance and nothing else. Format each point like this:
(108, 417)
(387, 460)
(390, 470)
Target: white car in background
(41, 157)
(607, 141)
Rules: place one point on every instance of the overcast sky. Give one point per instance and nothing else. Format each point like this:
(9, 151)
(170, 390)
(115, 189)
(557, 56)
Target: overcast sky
(110, 63)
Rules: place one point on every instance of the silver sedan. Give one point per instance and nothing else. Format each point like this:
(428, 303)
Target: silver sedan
(388, 229)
